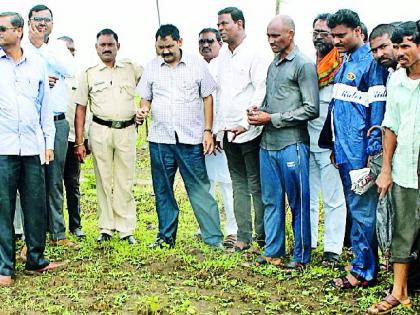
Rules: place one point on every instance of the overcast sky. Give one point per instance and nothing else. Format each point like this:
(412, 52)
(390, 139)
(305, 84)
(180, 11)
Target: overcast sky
(136, 21)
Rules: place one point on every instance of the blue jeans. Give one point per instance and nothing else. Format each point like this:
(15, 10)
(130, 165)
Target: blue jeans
(362, 211)
(165, 160)
(286, 172)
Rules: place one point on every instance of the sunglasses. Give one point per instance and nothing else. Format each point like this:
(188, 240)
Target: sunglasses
(208, 41)
(4, 28)
(39, 19)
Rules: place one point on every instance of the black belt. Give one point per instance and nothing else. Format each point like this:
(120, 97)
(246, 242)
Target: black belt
(113, 123)
(59, 117)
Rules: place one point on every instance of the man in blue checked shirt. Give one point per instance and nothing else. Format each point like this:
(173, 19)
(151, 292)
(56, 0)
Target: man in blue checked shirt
(26, 141)
(358, 103)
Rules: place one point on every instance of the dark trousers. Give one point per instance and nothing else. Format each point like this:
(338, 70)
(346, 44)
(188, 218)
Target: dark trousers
(165, 161)
(26, 174)
(54, 173)
(244, 167)
(72, 185)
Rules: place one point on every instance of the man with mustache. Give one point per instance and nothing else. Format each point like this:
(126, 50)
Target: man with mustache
(178, 88)
(241, 79)
(400, 169)
(358, 103)
(209, 44)
(60, 64)
(26, 142)
(382, 48)
(291, 100)
(323, 176)
(109, 89)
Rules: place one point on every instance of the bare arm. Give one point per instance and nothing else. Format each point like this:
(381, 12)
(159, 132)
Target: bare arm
(208, 142)
(79, 125)
(384, 180)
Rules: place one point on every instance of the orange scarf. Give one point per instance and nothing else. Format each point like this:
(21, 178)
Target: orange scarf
(328, 67)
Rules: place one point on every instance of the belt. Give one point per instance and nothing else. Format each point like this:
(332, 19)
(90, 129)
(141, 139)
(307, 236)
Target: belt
(59, 117)
(114, 123)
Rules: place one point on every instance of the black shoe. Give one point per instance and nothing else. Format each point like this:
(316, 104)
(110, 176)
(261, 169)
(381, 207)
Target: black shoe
(78, 233)
(260, 240)
(130, 239)
(330, 259)
(103, 238)
(161, 243)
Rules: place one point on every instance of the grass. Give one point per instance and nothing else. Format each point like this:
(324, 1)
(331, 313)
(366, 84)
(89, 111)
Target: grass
(116, 278)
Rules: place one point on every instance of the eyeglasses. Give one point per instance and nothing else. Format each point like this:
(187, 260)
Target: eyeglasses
(208, 41)
(4, 28)
(323, 34)
(39, 19)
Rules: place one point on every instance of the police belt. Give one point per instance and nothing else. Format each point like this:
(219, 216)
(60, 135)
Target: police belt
(114, 123)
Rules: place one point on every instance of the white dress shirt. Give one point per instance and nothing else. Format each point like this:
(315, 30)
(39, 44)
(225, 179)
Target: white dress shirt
(241, 84)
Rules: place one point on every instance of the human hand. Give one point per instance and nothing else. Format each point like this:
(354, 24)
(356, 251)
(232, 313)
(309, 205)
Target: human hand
(208, 143)
(384, 183)
(52, 80)
(49, 156)
(36, 37)
(80, 152)
(141, 115)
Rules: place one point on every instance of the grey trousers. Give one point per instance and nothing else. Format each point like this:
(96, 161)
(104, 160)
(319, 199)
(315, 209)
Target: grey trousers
(54, 173)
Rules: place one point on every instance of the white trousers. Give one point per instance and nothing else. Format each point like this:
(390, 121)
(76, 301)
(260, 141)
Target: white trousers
(324, 178)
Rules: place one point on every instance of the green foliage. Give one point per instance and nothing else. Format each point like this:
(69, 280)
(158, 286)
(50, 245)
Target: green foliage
(116, 278)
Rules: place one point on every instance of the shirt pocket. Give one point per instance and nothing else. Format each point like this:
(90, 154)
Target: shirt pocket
(99, 92)
(30, 88)
(127, 90)
(190, 90)
(240, 78)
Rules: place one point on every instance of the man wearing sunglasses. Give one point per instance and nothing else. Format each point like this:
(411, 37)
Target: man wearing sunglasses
(26, 141)
(60, 65)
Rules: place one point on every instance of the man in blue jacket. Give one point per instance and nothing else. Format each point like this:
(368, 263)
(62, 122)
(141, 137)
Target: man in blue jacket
(358, 103)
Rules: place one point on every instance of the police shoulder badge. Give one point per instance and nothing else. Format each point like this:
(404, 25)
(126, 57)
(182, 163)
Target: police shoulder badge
(351, 76)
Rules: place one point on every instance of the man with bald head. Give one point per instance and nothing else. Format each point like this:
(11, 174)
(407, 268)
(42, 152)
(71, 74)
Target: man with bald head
(291, 100)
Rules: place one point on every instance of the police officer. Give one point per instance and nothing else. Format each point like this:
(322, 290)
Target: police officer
(109, 89)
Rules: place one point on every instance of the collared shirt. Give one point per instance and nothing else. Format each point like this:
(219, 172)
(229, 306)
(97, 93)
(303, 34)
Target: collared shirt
(177, 98)
(402, 116)
(358, 103)
(110, 91)
(315, 126)
(292, 99)
(241, 82)
(60, 63)
(26, 120)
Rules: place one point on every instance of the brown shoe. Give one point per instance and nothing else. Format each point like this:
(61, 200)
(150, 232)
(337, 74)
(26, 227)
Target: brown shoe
(52, 266)
(5, 281)
(23, 253)
(66, 243)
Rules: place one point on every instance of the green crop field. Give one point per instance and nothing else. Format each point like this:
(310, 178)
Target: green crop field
(116, 278)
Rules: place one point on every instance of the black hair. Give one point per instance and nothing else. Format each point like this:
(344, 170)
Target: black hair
(168, 30)
(211, 30)
(365, 31)
(67, 39)
(345, 17)
(381, 30)
(16, 19)
(37, 8)
(409, 28)
(322, 17)
(235, 13)
(107, 31)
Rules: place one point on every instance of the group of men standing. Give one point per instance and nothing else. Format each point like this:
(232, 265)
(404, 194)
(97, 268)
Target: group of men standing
(264, 132)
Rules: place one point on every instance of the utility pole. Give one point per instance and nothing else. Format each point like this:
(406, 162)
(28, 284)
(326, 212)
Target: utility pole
(278, 6)
(158, 11)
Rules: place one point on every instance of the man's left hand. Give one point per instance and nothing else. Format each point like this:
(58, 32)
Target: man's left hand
(258, 118)
(208, 143)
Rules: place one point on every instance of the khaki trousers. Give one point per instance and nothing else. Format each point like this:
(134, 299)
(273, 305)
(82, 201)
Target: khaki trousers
(114, 157)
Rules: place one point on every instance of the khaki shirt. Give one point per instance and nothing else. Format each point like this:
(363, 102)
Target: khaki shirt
(110, 91)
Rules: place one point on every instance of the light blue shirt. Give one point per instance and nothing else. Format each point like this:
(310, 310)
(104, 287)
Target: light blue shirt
(60, 63)
(26, 120)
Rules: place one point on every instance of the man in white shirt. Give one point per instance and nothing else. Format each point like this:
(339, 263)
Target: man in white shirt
(241, 79)
(209, 44)
(60, 65)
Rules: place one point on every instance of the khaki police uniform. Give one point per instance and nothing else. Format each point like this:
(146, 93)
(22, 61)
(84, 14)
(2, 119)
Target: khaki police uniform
(112, 137)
